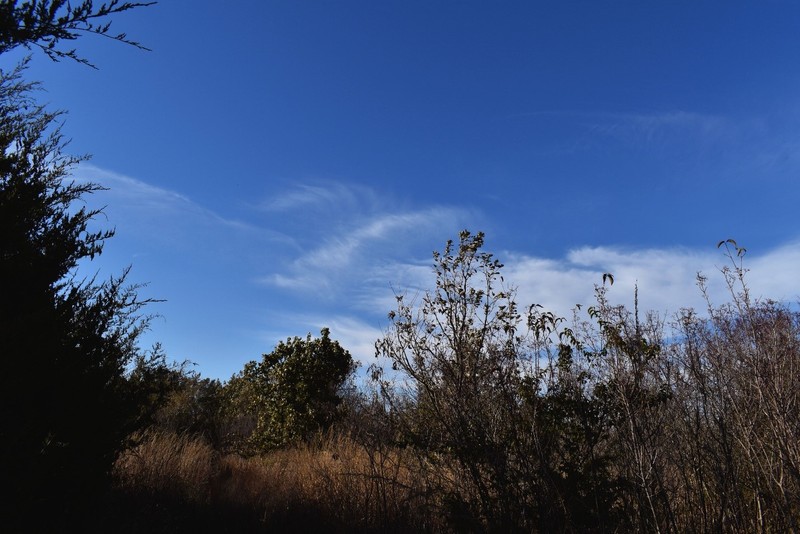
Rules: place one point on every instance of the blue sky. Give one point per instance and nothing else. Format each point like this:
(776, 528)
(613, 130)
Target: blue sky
(279, 166)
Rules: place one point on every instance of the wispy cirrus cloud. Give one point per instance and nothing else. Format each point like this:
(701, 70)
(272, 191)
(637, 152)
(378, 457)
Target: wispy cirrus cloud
(360, 250)
(137, 202)
(667, 129)
(355, 244)
(648, 123)
(641, 122)
(745, 145)
(766, 144)
(682, 130)
(320, 195)
(391, 230)
(161, 214)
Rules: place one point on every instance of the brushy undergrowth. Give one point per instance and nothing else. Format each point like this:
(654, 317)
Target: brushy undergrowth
(606, 424)
(332, 483)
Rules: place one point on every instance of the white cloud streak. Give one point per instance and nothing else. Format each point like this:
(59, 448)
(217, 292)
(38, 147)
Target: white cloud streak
(305, 196)
(657, 132)
(137, 206)
(358, 250)
(132, 194)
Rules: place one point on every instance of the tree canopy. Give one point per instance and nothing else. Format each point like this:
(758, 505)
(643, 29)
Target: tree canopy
(45, 24)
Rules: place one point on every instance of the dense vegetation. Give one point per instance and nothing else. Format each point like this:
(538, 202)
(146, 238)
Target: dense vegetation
(488, 417)
(491, 419)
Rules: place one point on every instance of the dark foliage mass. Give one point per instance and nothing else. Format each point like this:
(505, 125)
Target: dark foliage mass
(66, 342)
(604, 424)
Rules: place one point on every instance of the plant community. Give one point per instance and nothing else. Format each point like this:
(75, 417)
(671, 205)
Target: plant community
(488, 416)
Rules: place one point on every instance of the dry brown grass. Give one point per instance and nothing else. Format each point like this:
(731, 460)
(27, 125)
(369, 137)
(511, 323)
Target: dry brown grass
(168, 463)
(333, 483)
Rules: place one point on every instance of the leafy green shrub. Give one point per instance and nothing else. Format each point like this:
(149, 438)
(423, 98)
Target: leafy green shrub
(292, 394)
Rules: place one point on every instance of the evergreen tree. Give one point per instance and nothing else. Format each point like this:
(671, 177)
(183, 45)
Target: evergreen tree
(66, 342)
(44, 24)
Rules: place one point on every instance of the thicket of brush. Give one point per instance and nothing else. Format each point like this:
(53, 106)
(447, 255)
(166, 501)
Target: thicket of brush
(491, 419)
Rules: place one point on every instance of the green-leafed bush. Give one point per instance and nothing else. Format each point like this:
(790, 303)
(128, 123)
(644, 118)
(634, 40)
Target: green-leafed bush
(289, 396)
